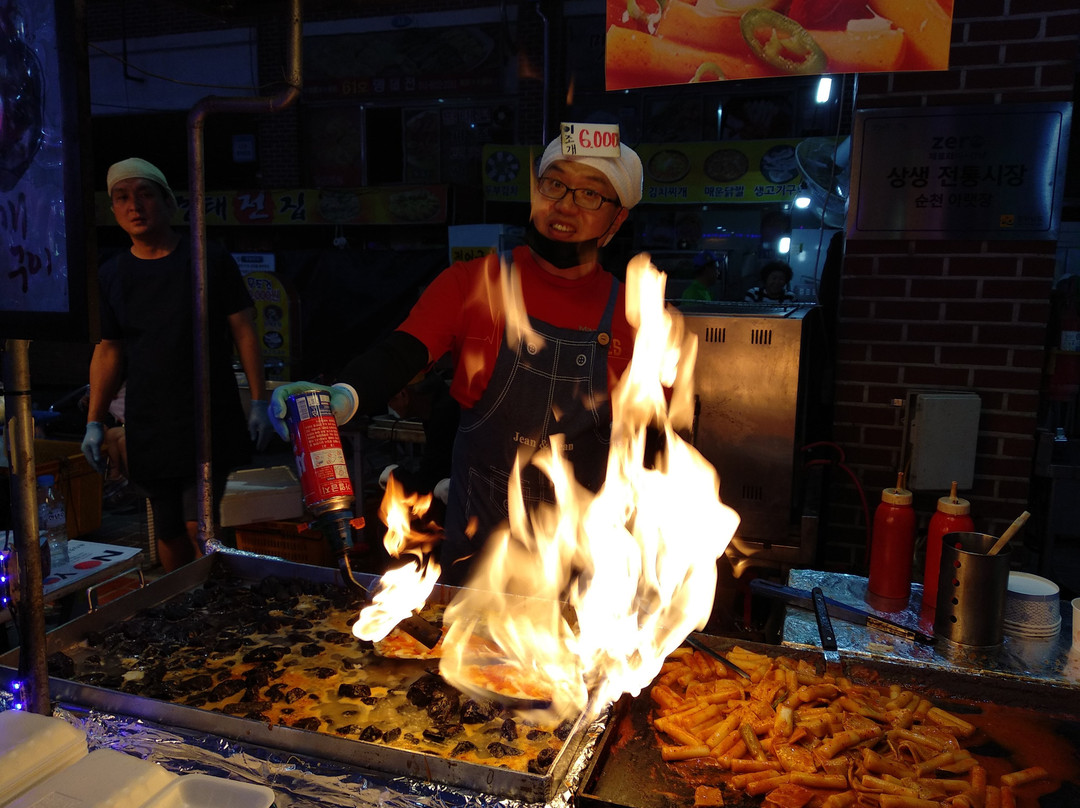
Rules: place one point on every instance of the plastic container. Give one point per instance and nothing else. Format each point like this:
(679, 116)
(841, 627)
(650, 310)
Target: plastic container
(103, 779)
(1032, 606)
(44, 764)
(953, 515)
(34, 747)
(52, 519)
(893, 544)
(1075, 602)
(203, 791)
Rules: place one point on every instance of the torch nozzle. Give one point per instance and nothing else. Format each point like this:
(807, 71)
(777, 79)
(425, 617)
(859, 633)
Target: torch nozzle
(337, 527)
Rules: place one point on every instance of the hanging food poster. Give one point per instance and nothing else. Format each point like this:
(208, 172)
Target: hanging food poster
(658, 42)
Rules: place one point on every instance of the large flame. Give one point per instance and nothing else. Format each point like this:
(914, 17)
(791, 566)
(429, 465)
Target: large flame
(587, 596)
(590, 594)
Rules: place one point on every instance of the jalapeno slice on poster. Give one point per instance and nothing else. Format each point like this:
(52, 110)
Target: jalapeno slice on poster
(781, 42)
(709, 71)
(645, 12)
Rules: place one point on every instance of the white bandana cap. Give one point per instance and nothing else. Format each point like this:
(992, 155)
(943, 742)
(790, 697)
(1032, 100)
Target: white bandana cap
(137, 168)
(624, 171)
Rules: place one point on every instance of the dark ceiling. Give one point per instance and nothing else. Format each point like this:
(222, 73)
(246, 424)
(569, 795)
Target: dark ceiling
(237, 10)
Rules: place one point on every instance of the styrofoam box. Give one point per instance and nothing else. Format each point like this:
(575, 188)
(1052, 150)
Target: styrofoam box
(34, 747)
(203, 791)
(261, 495)
(103, 779)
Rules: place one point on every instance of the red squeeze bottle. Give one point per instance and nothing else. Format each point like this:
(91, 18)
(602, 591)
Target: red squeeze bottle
(893, 543)
(953, 515)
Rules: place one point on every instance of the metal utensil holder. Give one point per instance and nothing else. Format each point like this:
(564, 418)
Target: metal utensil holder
(971, 590)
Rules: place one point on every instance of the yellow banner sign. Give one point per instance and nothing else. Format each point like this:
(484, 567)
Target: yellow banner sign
(737, 171)
(412, 204)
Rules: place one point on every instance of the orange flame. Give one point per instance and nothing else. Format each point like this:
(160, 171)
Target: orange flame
(401, 590)
(587, 596)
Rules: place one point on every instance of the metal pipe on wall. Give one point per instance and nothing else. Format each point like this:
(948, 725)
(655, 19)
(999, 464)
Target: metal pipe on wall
(197, 183)
(544, 135)
(22, 479)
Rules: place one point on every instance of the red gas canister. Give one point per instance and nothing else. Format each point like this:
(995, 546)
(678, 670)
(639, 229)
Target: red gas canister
(320, 461)
(953, 515)
(893, 543)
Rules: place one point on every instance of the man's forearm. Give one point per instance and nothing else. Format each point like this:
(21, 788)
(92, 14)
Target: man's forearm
(106, 376)
(385, 369)
(251, 360)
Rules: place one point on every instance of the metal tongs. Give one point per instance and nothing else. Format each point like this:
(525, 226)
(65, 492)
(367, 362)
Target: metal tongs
(829, 648)
(693, 642)
(839, 611)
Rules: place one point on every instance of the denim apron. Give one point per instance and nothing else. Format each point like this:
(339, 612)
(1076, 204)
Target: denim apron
(535, 391)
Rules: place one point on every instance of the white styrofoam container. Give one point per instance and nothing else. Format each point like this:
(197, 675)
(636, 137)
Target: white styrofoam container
(103, 779)
(203, 791)
(261, 495)
(34, 747)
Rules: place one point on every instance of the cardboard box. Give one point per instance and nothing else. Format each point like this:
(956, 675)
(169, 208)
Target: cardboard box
(79, 483)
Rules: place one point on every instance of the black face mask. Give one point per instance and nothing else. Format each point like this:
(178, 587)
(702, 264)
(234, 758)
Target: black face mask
(562, 254)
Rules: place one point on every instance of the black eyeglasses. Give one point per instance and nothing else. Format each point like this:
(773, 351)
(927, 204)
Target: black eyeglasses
(585, 198)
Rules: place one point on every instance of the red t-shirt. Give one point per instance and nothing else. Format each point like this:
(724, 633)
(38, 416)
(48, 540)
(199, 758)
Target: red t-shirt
(461, 311)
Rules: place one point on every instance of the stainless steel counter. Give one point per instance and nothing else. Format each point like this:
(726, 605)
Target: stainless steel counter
(1047, 661)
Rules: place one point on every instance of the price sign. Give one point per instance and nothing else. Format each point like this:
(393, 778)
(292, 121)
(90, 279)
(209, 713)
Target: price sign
(590, 139)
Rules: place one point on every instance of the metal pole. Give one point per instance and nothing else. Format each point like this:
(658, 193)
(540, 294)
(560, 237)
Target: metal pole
(546, 90)
(197, 183)
(22, 479)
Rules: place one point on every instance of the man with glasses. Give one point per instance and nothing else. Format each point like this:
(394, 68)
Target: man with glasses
(516, 394)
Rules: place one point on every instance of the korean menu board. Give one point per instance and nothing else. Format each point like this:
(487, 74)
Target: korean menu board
(737, 171)
(650, 43)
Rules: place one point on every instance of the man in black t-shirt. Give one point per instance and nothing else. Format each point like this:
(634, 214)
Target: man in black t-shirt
(147, 328)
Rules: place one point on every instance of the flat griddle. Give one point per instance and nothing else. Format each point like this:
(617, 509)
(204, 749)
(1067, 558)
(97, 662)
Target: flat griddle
(369, 757)
(627, 771)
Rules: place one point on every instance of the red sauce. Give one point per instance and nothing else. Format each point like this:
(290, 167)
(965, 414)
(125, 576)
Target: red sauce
(1031, 739)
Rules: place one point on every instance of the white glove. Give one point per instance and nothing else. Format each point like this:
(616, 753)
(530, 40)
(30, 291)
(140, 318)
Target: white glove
(384, 478)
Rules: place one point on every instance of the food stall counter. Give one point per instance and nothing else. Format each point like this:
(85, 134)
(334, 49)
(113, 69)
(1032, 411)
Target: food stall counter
(1047, 660)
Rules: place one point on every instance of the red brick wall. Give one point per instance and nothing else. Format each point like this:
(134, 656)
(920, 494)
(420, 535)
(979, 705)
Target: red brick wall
(951, 315)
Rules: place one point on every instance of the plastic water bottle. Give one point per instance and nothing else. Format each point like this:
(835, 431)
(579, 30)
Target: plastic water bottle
(52, 519)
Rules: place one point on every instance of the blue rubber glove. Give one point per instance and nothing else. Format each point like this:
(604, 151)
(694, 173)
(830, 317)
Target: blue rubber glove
(343, 403)
(91, 445)
(259, 426)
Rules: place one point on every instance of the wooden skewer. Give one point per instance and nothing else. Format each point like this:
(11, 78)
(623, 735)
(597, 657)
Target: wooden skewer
(1009, 533)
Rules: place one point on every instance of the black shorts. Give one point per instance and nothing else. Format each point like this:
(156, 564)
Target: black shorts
(174, 502)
